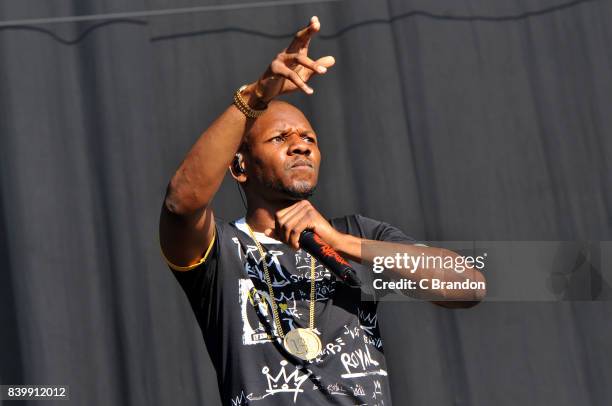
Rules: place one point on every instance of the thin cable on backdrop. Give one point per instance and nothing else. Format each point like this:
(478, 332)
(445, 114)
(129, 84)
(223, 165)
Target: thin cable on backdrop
(118, 18)
(377, 21)
(163, 12)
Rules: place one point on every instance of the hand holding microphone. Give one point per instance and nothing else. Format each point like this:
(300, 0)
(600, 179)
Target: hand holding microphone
(315, 246)
(302, 226)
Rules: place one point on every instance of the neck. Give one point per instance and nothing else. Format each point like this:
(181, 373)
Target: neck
(260, 212)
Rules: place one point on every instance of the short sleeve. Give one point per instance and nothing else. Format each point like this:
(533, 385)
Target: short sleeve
(370, 229)
(179, 268)
(199, 281)
(365, 227)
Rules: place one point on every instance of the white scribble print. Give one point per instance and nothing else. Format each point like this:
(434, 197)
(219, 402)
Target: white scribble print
(242, 399)
(351, 353)
(247, 297)
(367, 321)
(374, 341)
(336, 389)
(359, 363)
(283, 382)
(278, 277)
(377, 389)
(352, 331)
(358, 390)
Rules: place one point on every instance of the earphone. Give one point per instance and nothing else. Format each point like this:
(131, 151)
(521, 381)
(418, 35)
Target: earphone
(237, 164)
(237, 170)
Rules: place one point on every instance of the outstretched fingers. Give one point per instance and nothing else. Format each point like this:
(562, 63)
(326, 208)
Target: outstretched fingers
(301, 59)
(293, 65)
(279, 68)
(325, 62)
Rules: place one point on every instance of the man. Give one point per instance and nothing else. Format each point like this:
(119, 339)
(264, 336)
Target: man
(279, 327)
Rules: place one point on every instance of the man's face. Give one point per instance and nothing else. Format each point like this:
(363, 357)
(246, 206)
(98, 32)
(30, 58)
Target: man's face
(283, 156)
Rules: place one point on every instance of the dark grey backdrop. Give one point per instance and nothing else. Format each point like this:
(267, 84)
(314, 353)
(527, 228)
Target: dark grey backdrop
(455, 120)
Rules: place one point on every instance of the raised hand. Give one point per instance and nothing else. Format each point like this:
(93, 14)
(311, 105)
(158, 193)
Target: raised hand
(292, 68)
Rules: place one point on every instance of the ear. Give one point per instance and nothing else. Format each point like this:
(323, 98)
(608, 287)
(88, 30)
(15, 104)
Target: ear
(237, 168)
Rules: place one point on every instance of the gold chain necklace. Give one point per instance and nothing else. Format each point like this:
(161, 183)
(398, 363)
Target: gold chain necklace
(301, 342)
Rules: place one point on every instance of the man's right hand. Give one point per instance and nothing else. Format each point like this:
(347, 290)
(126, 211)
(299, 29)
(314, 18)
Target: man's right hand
(291, 69)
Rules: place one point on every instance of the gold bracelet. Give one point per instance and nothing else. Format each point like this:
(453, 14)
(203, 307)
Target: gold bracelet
(243, 106)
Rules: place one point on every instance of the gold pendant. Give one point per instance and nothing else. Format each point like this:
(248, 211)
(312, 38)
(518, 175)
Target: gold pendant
(303, 343)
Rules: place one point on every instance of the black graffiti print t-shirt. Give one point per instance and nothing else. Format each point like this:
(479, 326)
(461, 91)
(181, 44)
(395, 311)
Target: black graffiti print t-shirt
(230, 299)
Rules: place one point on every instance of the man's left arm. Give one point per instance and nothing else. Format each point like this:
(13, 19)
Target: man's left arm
(291, 221)
(352, 247)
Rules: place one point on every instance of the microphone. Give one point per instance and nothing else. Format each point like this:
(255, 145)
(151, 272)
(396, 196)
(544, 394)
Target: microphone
(315, 246)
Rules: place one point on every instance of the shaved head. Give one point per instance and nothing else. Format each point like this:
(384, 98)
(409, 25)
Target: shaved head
(281, 154)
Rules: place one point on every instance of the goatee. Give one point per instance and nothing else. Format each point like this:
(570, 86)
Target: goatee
(298, 190)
